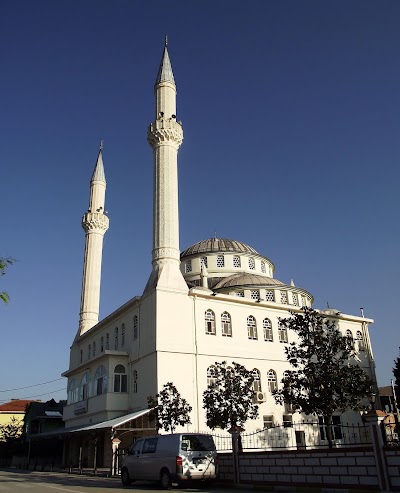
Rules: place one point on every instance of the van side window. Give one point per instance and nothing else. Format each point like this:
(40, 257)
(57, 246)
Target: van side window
(135, 450)
(149, 446)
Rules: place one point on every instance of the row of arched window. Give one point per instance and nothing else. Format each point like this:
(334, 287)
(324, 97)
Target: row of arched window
(88, 387)
(272, 380)
(106, 343)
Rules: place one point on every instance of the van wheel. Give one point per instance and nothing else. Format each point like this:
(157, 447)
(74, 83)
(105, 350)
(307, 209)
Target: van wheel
(165, 480)
(126, 480)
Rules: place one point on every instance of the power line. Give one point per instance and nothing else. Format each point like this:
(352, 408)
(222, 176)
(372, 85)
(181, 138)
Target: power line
(35, 385)
(37, 395)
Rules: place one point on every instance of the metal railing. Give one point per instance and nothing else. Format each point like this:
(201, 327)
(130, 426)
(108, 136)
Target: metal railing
(300, 436)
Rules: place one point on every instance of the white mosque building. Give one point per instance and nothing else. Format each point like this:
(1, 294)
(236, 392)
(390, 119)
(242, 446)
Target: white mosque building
(217, 300)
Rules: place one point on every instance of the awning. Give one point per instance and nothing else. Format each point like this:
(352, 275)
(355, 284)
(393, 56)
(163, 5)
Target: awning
(111, 423)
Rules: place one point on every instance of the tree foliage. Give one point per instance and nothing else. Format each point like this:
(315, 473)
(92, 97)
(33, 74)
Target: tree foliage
(325, 377)
(396, 374)
(11, 431)
(169, 409)
(4, 263)
(228, 401)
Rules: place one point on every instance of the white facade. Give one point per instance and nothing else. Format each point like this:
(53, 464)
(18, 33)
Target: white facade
(217, 301)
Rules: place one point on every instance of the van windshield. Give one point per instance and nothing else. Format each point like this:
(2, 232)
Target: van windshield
(197, 443)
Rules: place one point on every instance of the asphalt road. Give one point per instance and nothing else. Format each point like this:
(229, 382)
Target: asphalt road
(16, 481)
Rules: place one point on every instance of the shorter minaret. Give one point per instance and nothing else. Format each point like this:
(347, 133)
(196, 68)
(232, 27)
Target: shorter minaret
(95, 224)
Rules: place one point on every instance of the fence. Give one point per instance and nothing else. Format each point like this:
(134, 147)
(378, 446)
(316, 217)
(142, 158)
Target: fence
(299, 436)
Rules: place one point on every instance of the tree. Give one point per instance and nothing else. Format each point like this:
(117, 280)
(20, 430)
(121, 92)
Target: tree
(169, 409)
(11, 431)
(228, 401)
(396, 374)
(325, 379)
(4, 263)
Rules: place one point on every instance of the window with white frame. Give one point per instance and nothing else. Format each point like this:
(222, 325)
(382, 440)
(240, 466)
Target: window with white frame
(287, 421)
(72, 392)
(220, 261)
(100, 381)
(188, 266)
(210, 322)
(204, 262)
(263, 267)
(135, 381)
(240, 294)
(284, 299)
(251, 327)
(255, 294)
(257, 380)
(101, 344)
(269, 295)
(272, 381)
(122, 335)
(211, 378)
(267, 327)
(282, 333)
(120, 379)
(226, 325)
(107, 341)
(268, 421)
(252, 264)
(359, 341)
(295, 299)
(84, 387)
(94, 349)
(116, 338)
(236, 261)
(135, 327)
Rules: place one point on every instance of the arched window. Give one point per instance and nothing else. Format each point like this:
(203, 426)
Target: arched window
(257, 380)
(251, 327)
(107, 341)
(101, 344)
(81, 356)
(116, 338)
(263, 267)
(84, 388)
(135, 327)
(272, 381)
(135, 381)
(210, 322)
(100, 381)
(359, 341)
(295, 299)
(211, 378)
(94, 349)
(89, 351)
(282, 332)
(226, 325)
(122, 335)
(120, 379)
(267, 326)
(72, 392)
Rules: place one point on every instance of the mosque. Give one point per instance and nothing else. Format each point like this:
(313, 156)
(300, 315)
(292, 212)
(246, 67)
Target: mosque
(216, 300)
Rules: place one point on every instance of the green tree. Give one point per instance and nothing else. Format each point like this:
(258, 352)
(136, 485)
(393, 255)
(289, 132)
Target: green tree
(11, 431)
(4, 263)
(325, 378)
(169, 409)
(396, 374)
(229, 400)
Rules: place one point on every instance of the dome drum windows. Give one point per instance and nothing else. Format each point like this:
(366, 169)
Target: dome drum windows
(284, 298)
(188, 266)
(255, 294)
(240, 294)
(263, 267)
(210, 322)
(252, 263)
(120, 379)
(251, 328)
(220, 261)
(236, 262)
(269, 295)
(204, 261)
(226, 325)
(295, 299)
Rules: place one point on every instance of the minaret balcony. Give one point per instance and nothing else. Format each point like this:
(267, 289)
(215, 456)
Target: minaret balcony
(95, 222)
(165, 130)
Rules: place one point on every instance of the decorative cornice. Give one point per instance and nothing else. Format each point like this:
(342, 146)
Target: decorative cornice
(165, 131)
(95, 222)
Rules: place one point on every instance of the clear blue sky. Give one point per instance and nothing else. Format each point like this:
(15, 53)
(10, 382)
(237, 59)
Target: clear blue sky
(291, 121)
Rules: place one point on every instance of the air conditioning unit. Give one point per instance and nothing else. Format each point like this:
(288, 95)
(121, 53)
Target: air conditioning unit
(260, 397)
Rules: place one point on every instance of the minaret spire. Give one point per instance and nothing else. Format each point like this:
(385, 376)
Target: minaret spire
(95, 223)
(165, 135)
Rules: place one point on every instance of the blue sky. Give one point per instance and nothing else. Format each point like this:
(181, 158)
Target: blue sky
(291, 125)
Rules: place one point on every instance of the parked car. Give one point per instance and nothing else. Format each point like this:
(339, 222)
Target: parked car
(178, 458)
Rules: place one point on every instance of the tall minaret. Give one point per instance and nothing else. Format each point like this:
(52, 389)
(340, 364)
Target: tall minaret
(95, 224)
(165, 135)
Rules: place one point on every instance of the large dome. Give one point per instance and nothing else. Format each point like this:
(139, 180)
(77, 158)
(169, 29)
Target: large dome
(218, 245)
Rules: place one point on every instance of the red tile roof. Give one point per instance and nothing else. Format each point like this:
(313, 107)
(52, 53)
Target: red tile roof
(15, 406)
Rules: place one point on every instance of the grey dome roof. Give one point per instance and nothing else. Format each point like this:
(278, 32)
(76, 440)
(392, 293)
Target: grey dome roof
(214, 245)
(245, 279)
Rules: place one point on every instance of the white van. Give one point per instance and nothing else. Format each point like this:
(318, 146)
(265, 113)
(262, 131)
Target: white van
(174, 458)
